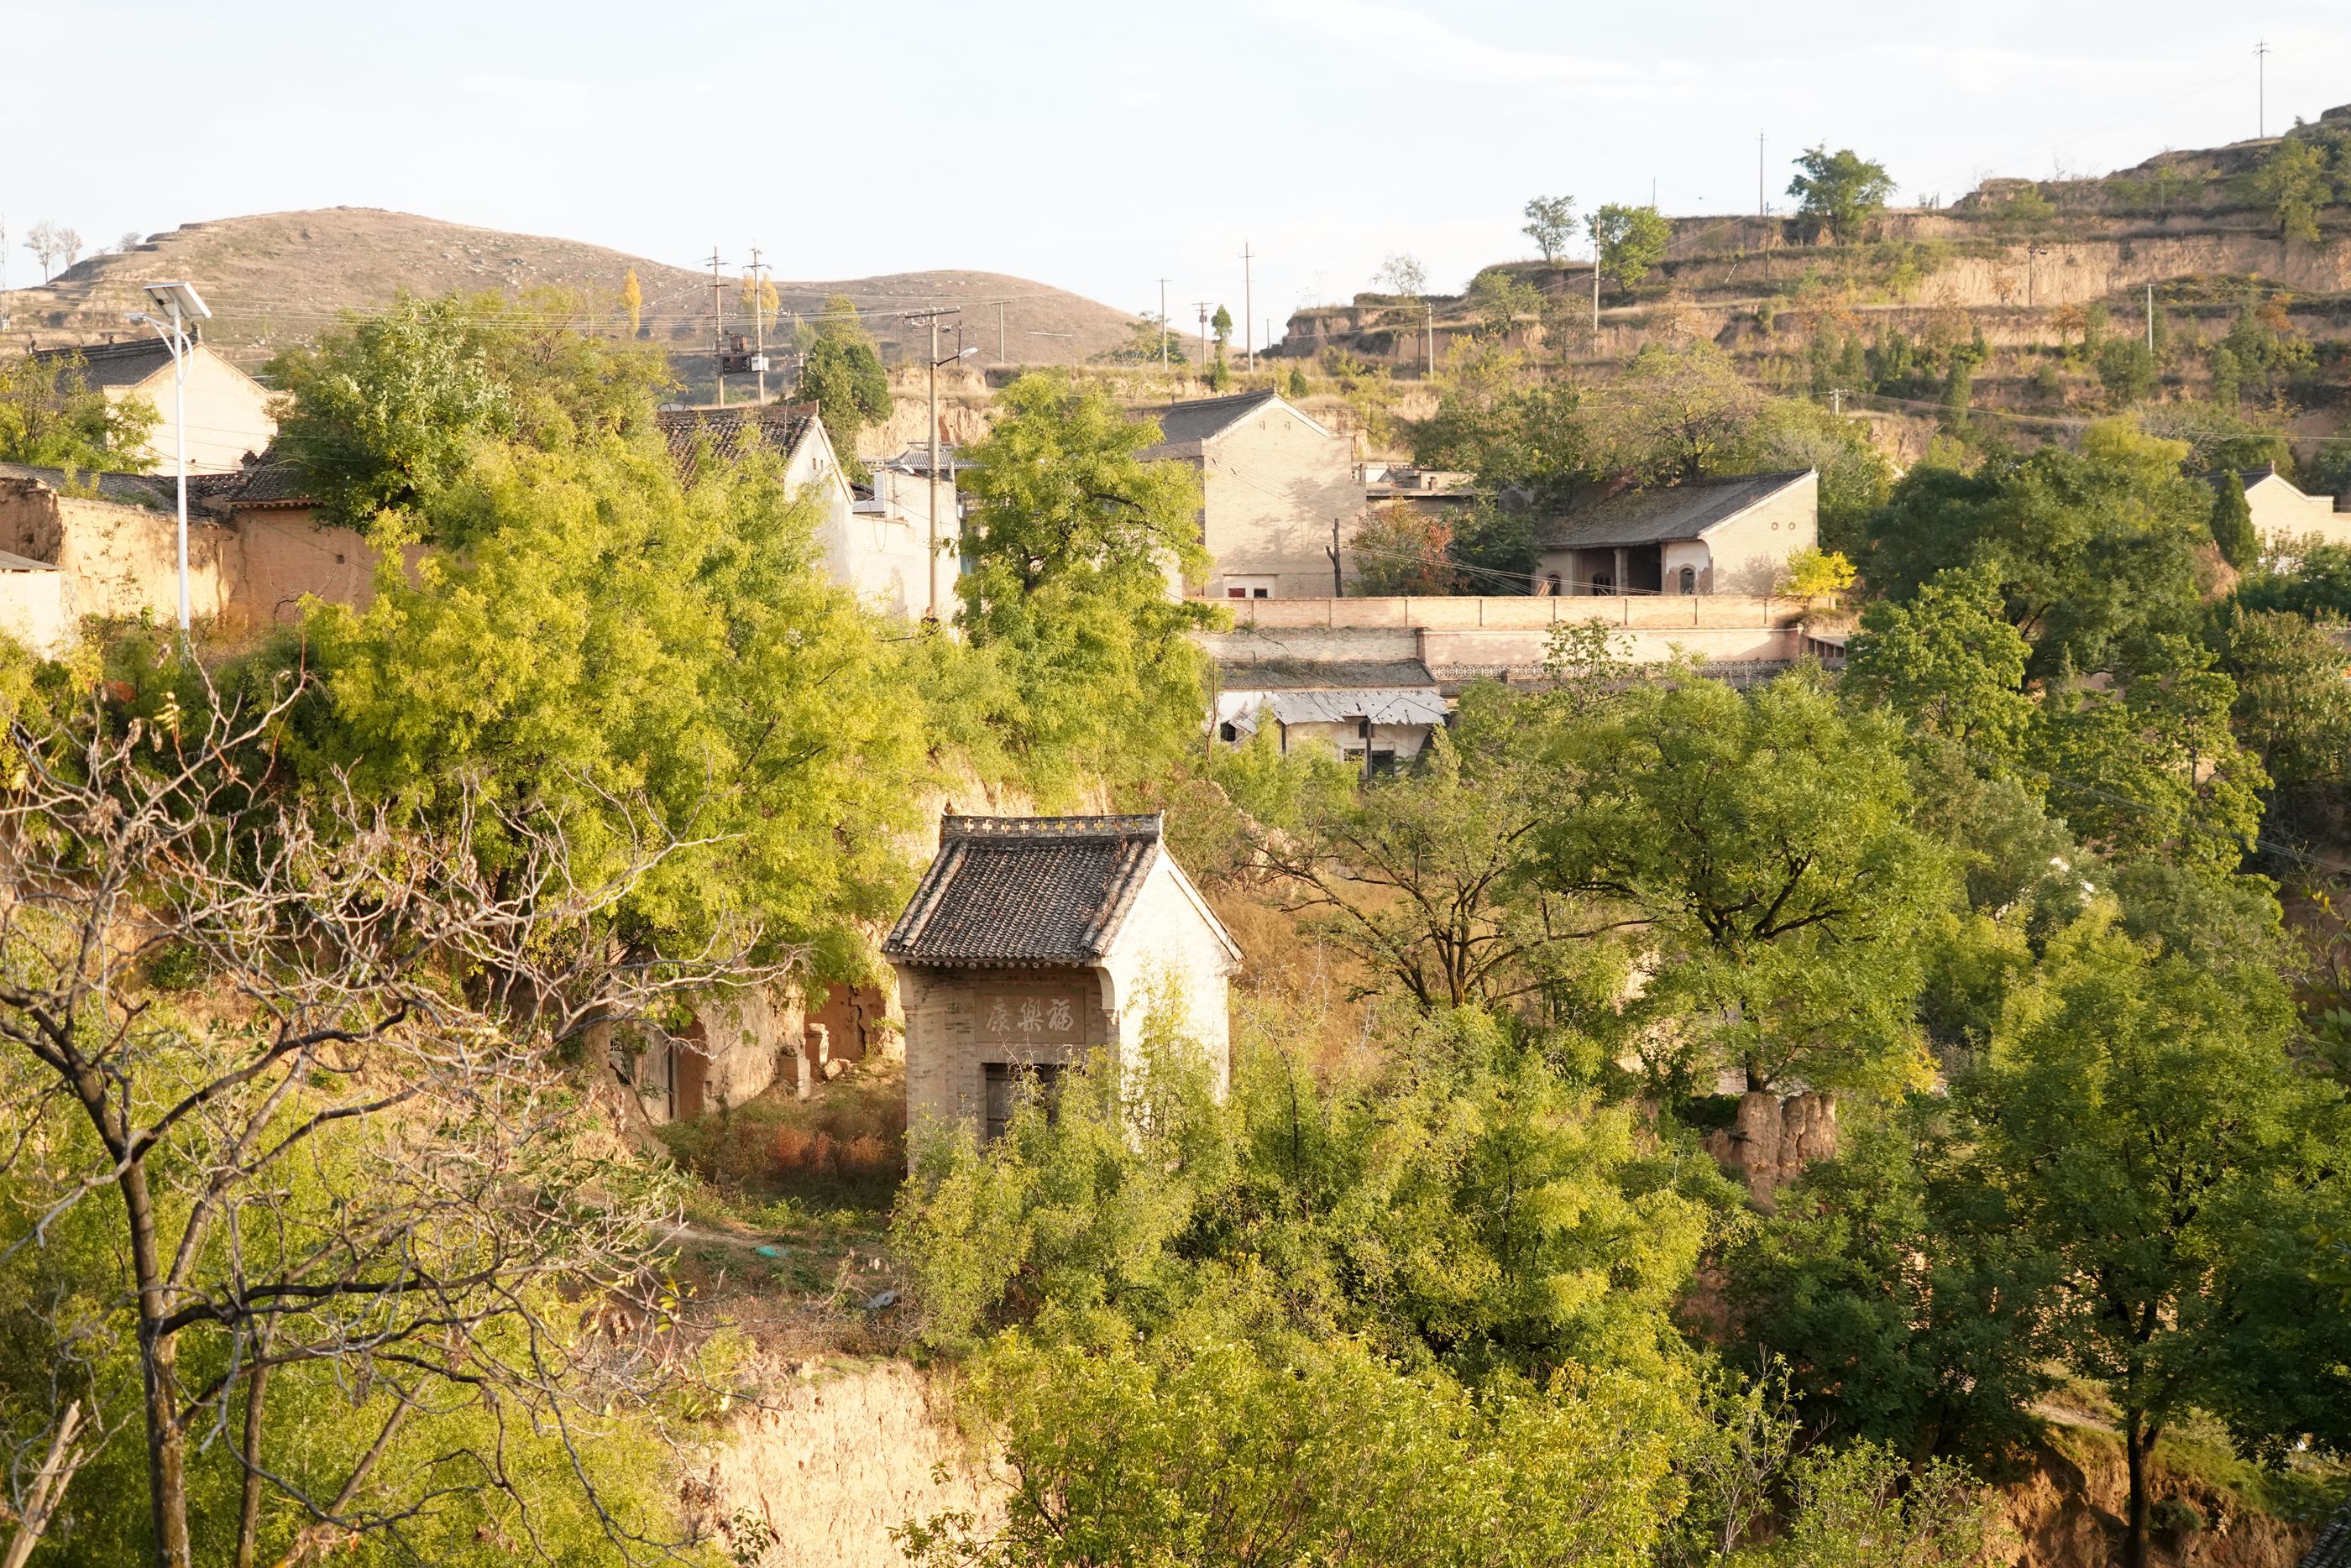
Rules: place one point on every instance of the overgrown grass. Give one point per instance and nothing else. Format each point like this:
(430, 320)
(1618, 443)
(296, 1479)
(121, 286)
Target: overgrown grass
(778, 1163)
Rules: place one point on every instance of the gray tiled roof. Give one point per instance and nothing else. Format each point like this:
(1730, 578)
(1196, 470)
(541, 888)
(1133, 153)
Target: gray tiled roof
(124, 364)
(1016, 890)
(1683, 511)
(779, 426)
(267, 481)
(1188, 424)
(124, 488)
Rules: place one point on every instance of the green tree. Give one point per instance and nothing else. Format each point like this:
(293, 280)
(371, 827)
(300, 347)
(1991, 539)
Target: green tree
(1904, 1313)
(1840, 191)
(51, 416)
(1221, 325)
(2127, 369)
(1674, 414)
(2233, 521)
(387, 410)
(609, 644)
(2125, 1106)
(1295, 387)
(841, 373)
(1075, 544)
(2293, 184)
(1949, 663)
(1202, 1451)
(1630, 242)
(1501, 300)
(1759, 842)
(1551, 224)
(2095, 551)
(2292, 706)
(633, 300)
(2154, 769)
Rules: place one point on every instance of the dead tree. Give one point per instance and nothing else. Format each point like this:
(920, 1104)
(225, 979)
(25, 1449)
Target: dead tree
(355, 1147)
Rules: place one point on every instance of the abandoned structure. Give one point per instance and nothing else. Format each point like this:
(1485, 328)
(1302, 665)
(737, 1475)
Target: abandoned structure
(228, 413)
(1278, 492)
(1033, 942)
(1726, 535)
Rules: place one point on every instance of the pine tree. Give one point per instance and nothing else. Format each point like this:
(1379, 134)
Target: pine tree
(633, 300)
(2232, 523)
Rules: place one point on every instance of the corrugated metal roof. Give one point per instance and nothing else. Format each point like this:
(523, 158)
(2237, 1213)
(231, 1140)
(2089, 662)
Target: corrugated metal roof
(1391, 705)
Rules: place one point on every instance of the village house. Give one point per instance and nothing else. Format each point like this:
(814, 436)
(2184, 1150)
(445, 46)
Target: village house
(1033, 943)
(228, 413)
(2282, 513)
(1278, 493)
(879, 545)
(1731, 535)
(1376, 714)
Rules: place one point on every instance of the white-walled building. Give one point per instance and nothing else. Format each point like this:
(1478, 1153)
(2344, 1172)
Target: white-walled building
(227, 411)
(1278, 488)
(1731, 535)
(883, 553)
(1032, 943)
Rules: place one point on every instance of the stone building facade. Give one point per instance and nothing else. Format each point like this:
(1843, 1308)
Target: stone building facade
(1033, 943)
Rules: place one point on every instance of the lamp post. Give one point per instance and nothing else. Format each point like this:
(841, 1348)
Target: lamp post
(933, 318)
(183, 304)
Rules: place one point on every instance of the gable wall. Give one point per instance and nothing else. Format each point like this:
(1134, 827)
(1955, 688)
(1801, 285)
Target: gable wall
(228, 415)
(1272, 488)
(2280, 511)
(1750, 553)
(1167, 951)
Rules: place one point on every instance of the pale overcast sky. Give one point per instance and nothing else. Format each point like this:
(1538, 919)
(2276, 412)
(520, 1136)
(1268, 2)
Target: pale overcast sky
(1095, 146)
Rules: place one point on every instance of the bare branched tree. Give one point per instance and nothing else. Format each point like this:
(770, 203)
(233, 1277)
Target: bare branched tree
(347, 1145)
(51, 244)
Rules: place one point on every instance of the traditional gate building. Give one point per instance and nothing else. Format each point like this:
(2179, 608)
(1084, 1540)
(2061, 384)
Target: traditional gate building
(1032, 942)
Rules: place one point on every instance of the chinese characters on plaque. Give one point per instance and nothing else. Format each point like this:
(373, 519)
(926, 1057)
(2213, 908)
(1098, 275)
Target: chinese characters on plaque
(1044, 1019)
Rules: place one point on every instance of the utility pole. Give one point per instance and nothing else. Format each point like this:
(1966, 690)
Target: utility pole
(1248, 304)
(1595, 291)
(2150, 318)
(1338, 583)
(1430, 371)
(2262, 88)
(1836, 402)
(2030, 251)
(1163, 323)
(718, 325)
(759, 325)
(1200, 350)
(934, 361)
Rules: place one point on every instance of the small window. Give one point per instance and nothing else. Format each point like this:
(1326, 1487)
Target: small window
(1236, 593)
(1007, 1084)
(1226, 732)
(1260, 592)
(1383, 762)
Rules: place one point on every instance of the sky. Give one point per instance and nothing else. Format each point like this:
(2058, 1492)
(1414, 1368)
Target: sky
(1098, 147)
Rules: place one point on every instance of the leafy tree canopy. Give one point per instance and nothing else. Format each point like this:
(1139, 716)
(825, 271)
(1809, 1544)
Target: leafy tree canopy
(1629, 241)
(51, 416)
(841, 373)
(1840, 191)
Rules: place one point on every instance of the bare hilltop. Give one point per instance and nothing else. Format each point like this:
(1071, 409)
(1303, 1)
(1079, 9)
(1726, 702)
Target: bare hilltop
(274, 279)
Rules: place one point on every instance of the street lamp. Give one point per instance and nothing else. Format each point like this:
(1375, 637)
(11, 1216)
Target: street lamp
(933, 318)
(183, 304)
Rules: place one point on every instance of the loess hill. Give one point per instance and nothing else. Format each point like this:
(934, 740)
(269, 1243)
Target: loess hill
(274, 279)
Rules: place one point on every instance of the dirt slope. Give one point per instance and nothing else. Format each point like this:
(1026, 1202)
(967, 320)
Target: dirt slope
(275, 278)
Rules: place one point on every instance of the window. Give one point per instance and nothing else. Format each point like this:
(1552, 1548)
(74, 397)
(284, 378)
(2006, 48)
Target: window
(1007, 1084)
(1236, 593)
(1228, 734)
(1260, 592)
(1383, 762)
(1687, 578)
